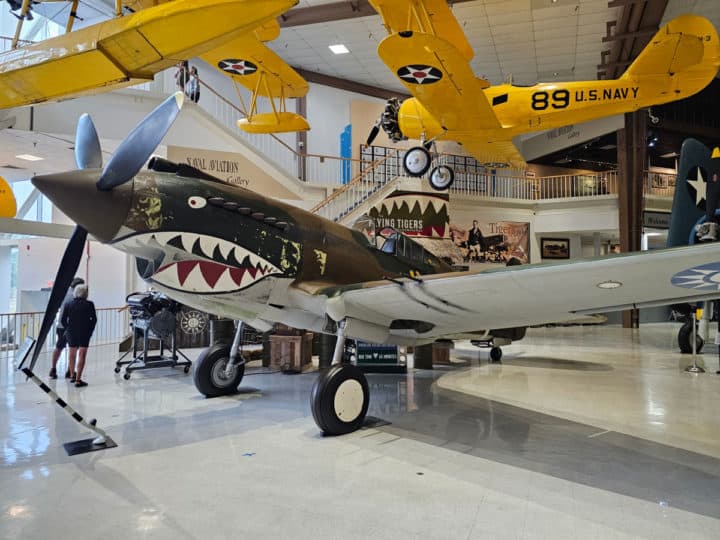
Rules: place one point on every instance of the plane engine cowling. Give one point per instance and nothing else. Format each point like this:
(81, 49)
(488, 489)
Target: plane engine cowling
(416, 122)
(405, 120)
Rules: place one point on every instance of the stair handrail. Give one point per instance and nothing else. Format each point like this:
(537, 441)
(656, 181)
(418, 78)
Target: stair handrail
(353, 183)
(293, 151)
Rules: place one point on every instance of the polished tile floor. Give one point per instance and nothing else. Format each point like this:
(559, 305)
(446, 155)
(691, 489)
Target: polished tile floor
(580, 433)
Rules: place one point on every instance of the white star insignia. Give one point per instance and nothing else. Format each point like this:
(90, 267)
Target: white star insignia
(700, 187)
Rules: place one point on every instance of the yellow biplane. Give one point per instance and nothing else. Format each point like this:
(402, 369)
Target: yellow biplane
(148, 36)
(430, 54)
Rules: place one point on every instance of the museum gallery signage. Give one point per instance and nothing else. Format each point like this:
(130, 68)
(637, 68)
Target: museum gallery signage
(230, 167)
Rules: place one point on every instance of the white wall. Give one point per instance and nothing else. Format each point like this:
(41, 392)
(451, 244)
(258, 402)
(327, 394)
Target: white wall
(5, 272)
(104, 270)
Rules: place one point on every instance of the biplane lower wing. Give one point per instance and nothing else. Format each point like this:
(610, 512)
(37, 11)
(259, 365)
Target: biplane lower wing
(248, 62)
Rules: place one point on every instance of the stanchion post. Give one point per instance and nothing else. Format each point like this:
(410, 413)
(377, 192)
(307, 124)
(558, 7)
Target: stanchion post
(694, 368)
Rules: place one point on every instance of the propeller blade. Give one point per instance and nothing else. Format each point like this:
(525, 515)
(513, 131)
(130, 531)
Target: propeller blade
(88, 154)
(373, 133)
(135, 150)
(65, 274)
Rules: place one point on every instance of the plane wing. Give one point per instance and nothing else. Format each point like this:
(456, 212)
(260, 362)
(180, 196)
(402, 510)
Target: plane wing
(425, 17)
(437, 74)
(247, 61)
(452, 304)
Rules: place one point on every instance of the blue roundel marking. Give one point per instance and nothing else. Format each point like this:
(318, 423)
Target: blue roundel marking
(705, 277)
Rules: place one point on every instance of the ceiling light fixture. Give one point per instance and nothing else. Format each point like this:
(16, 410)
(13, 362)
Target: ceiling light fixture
(29, 157)
(339, 49)
(610, 284)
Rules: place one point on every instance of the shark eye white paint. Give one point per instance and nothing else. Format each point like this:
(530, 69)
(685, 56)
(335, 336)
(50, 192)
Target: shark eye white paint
(196, 202)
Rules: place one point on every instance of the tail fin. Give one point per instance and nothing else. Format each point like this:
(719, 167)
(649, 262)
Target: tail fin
(680, 60)
(693, 187)
(8, 206)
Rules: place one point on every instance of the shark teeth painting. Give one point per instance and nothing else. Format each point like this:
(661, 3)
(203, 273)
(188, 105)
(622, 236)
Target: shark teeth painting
(201, 264)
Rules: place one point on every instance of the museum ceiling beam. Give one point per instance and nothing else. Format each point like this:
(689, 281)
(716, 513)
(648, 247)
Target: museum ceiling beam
(336, 11)
(348, 85)
(629, 34)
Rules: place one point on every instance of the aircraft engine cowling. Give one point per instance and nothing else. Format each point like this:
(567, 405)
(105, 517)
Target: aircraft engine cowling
(416, 122)
(405, 120)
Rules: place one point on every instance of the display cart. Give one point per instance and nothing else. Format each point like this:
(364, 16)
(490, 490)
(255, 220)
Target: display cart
(153, 322)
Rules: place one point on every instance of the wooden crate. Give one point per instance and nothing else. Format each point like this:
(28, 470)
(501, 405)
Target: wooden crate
(290, 353)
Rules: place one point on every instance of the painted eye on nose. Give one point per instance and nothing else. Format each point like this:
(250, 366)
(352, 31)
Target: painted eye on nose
(196, 202)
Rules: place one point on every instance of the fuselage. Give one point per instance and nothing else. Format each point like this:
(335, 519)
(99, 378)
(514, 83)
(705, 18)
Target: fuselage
(231, 252)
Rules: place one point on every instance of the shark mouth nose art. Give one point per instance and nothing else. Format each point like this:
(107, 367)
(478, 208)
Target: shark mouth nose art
(202, 264)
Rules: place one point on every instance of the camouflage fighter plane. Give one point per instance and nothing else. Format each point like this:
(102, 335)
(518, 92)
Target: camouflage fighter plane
(235, 253)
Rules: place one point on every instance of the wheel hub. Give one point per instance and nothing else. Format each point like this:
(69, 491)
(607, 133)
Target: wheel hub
(220, 375)
(349, 400)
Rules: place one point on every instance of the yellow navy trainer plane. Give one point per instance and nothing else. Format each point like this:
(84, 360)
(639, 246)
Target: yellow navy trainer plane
(152, 36)
(428, 51)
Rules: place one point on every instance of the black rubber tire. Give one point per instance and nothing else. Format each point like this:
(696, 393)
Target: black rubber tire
(126, 376)
(685, 339)
(117, 370)
(421, 171)
(436, 170)
(203, 373)
(496, 354)
(187, 369)
(322, 399)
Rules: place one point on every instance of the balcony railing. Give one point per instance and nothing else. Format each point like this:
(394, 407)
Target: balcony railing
(112, 327)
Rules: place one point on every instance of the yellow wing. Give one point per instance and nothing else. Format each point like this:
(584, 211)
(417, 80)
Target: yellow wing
(126, 50)
(247, 61)
(8, 205)
(441, 80)
(425, 17)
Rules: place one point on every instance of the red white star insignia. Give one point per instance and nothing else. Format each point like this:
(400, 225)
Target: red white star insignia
(419, 74)
(237, 67)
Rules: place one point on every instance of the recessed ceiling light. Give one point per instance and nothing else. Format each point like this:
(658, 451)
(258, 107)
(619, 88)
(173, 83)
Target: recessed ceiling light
(339, 48)
(29, 157)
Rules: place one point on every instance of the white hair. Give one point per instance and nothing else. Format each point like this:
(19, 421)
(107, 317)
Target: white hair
(80, 291)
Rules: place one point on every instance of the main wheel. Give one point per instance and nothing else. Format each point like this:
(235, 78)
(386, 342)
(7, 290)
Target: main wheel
(209, 376)
(441, 177)
(685, 339)
(416, 161)
(496, 354)
(340, 399)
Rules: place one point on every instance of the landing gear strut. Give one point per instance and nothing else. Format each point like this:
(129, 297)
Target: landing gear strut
(340, 395)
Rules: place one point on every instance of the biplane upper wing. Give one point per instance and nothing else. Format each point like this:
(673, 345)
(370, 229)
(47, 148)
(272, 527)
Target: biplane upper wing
(247, 61)
(424, 17)
(440, 78)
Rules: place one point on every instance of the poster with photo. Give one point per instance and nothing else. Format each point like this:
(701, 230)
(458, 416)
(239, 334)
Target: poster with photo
(495, 242)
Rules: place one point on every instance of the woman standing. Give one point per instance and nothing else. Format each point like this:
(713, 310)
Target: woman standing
(79, 319)
(192, 88)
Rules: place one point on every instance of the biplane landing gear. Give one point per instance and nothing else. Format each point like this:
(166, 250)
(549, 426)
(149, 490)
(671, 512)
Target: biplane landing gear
(495, 354)
(685, 339)
(340, 395)
(416, 161)
(441, 177)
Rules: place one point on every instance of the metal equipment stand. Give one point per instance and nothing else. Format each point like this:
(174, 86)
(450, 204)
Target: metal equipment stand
(694, 368)
(144, 360)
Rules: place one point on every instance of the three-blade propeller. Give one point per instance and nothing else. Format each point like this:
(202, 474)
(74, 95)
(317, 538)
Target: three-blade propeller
(124, 164)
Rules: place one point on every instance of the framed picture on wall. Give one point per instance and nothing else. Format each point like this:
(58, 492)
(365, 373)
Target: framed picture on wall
(555, 248)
